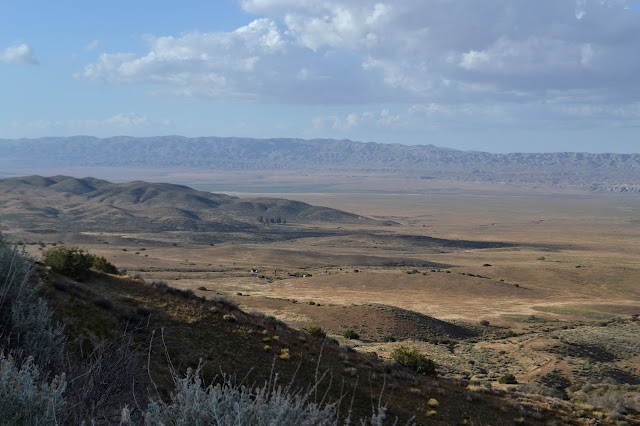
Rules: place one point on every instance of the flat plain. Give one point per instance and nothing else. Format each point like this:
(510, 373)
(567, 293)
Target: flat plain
(565, 253)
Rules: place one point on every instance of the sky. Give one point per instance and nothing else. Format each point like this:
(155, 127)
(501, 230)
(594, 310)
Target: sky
(491, 75)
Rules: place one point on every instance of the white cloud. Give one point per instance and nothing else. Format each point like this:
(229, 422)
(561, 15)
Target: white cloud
(474, 59)
(127, 120)
(411, 51)
(92, 46)
(414, 116)
(619, 115)
(207, 65)
(587, 54)
(18, 54)
(421, 118)
(117, 123)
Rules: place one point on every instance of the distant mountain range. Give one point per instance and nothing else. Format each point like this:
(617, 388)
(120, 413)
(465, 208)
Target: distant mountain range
(601, 172)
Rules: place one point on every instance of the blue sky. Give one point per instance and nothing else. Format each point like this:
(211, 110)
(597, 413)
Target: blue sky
(497, 75)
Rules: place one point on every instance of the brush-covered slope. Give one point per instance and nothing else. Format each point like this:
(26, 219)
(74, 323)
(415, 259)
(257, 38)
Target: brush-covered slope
(185, 331)
(96, 205)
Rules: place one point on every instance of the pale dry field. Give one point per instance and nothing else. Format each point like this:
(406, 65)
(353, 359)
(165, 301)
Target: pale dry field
(573, 255)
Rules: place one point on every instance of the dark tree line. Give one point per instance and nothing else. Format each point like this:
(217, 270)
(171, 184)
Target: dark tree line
(271, 220)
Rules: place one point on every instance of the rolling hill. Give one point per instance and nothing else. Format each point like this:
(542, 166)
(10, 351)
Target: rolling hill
(89, 204)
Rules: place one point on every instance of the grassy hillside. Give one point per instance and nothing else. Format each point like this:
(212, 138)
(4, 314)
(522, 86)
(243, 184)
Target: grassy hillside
(124, 327)
(183, 330)
(89, 204)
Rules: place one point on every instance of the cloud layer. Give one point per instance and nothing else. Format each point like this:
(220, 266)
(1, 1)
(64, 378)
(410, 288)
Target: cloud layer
(445, 63)
(18, 54)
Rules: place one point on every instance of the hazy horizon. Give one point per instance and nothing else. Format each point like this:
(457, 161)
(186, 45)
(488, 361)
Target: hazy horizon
(311, 139)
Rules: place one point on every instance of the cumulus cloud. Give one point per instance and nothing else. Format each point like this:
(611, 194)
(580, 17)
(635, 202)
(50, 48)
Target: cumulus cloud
(92, 46)
(207, 65)
(126, 120)
(116, 123)
(410, 51)
(415, 116)
(18, 54)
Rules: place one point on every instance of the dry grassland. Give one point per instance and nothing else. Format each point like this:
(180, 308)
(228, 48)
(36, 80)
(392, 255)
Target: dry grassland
(569, 251)
(559, 299)
(572, 251)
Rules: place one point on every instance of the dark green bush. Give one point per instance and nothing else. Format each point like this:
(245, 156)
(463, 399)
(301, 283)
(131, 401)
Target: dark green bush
(315, 331)
(69, 261)
(350, 334)
(414, 360)
(508, 379)
(104, 303)
(99, 263)
(75, 263)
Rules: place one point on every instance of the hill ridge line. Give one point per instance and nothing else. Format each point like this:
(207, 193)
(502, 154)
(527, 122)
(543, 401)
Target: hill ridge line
(598, 172)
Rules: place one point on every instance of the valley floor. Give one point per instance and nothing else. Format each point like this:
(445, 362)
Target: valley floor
(555, 302)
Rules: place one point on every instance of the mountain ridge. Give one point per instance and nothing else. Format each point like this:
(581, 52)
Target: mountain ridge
(599, 172)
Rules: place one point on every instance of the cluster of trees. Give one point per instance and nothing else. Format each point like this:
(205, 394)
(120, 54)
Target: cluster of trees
(273, 220)
(74, 262)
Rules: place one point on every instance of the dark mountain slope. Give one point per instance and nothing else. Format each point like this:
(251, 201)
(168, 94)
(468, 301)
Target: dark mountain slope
(91, 204)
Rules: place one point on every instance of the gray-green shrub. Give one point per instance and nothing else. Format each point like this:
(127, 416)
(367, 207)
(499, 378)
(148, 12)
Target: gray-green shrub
(111, 377)
(24, 400)
(99, 382)
(27, 326)
(228, 403)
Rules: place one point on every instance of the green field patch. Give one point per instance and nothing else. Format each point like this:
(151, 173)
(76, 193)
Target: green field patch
(564, 310)
(526, 318)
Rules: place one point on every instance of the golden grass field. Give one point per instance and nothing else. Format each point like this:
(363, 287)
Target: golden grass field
(572, 254)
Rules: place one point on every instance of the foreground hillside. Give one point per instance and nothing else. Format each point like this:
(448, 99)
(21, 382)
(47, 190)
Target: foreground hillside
(599, 172)
(152, 333)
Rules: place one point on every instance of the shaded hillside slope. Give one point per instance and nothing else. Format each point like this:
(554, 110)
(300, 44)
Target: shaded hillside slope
(96, 205)
(189, 330)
